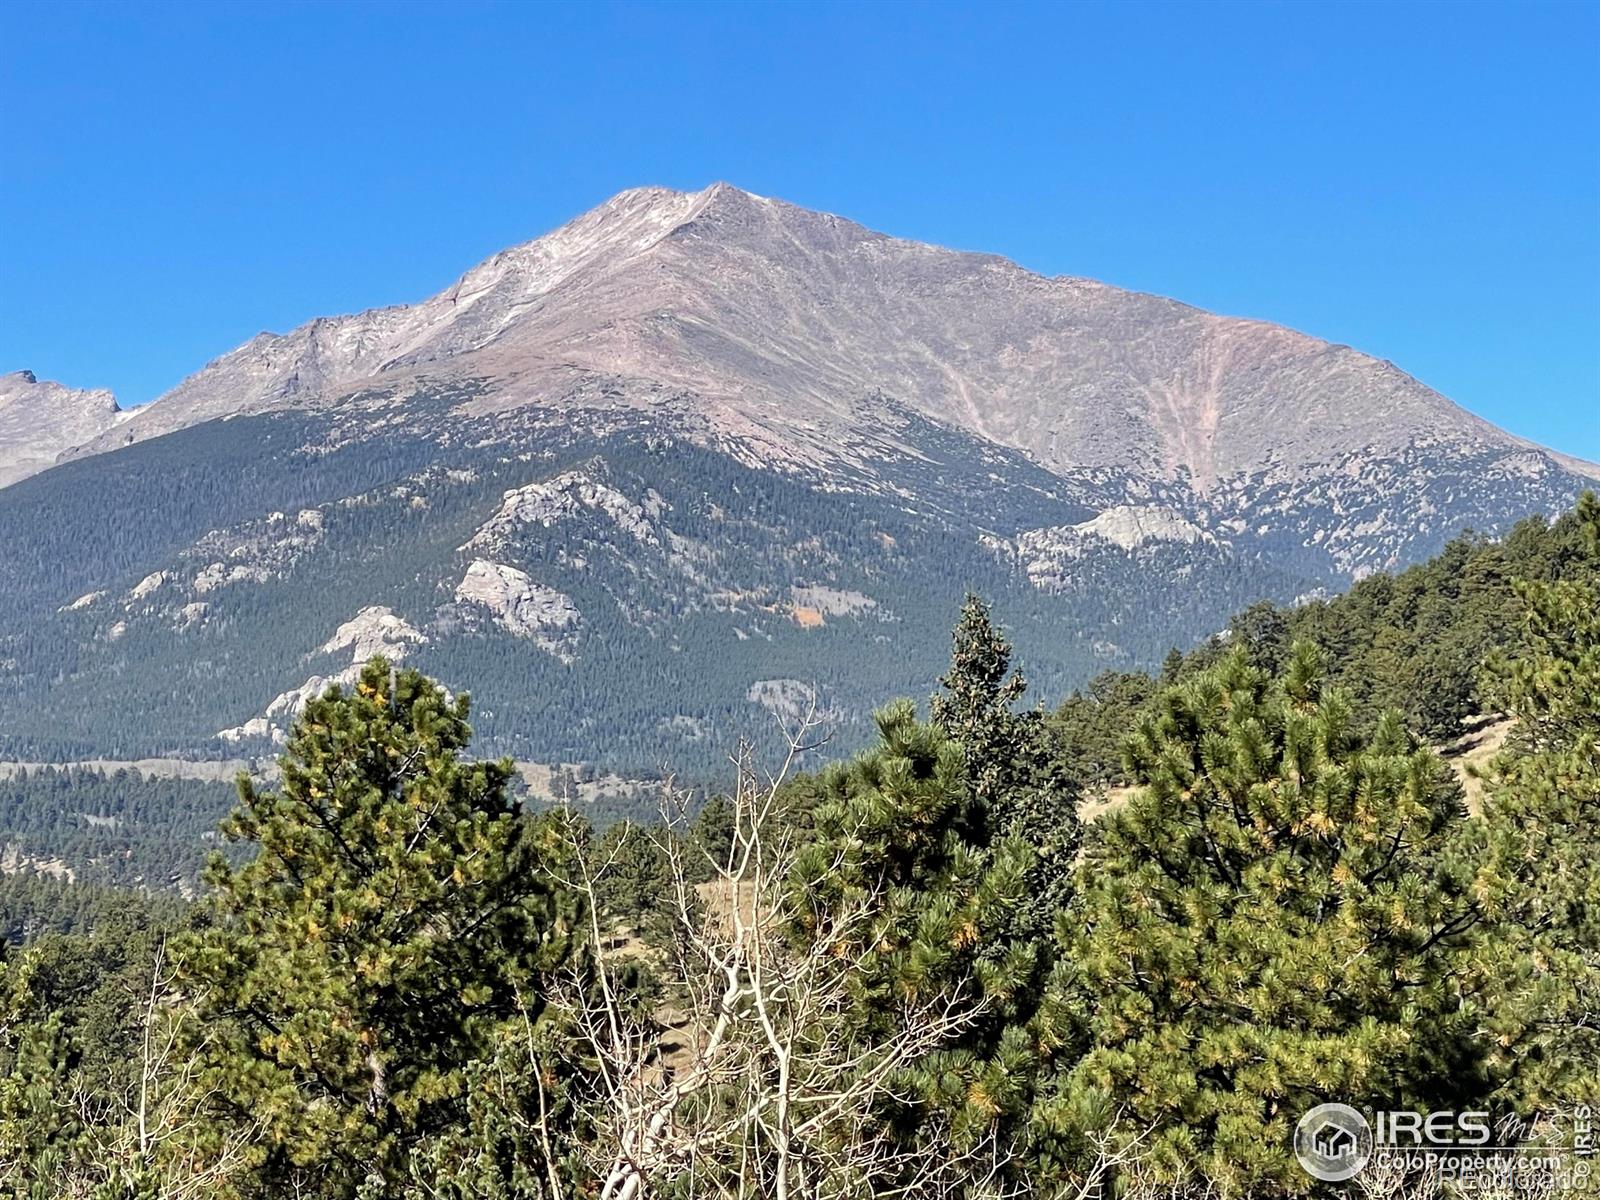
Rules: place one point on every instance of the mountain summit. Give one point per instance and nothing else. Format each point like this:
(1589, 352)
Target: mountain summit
(41, 420)
(690, 461)
(779, 320)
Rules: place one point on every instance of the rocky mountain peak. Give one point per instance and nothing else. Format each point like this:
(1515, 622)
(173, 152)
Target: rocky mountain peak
(774, 323)
(40, 420)
(734, 444)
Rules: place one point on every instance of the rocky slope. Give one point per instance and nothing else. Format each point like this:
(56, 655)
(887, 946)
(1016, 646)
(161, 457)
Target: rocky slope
(39, 421)
(778, 320)
(651, 477)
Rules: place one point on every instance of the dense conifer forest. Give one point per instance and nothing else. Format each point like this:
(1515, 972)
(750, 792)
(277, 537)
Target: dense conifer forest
(919, 971)
(121, 828)
(170, 637)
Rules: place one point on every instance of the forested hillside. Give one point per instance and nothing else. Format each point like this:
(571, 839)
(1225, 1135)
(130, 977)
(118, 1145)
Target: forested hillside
(1414, 642)
(631, 600)
(916, 972)
(121, 828)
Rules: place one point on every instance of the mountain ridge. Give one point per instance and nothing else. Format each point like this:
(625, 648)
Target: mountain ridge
(41, 419)
(571, 305)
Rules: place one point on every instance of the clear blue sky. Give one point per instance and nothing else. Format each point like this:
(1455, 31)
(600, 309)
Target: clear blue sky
(1422, 182)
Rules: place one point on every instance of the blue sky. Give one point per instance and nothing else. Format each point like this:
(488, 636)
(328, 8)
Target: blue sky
(1422, 182)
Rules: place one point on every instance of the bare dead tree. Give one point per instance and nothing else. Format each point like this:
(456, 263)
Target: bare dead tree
(766, 1094)
(763, 1085)
(153, 1136)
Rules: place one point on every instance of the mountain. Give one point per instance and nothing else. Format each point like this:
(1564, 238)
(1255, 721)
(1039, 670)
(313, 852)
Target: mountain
(778, 320)
(41, 421)
(696, 458)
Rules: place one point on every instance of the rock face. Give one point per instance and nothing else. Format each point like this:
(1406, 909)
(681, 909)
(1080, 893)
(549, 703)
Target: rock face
(570, 494)
(1130, 526)
(41, 420)
(686, 462)
(1049, 557)
(371, 632)
(523, 608)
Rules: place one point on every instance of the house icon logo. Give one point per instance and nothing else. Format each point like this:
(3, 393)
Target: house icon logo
(1333, 1142)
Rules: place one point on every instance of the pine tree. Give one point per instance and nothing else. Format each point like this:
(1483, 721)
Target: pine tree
(93, 1100)
(398, 914)
(899, 832)
(1262, 630)
(1541, 876)
(1275, 919)
(710, 838)
(1015, 776)
(633, 879)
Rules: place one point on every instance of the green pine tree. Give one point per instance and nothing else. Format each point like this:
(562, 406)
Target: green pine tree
(710, 838)
(899, 835)
(85, 1022)
(1013, 772)
(633, 879)
(1275, 919)
(399, 913)
(1541, 877)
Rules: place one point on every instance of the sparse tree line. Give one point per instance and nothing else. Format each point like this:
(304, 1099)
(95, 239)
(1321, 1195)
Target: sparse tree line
(915, 973)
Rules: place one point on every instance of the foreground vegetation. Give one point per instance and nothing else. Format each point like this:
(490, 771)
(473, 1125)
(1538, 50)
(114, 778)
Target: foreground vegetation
(914, 973)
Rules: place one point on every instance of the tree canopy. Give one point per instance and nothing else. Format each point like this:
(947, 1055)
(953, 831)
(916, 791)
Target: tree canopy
(398, 911)
(914, 972)
(1278, 917)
